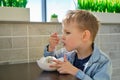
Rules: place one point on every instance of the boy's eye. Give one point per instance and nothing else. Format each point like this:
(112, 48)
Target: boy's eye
(67, 32)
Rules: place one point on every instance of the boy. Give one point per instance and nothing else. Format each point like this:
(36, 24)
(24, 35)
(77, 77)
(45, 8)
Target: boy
(82, 58)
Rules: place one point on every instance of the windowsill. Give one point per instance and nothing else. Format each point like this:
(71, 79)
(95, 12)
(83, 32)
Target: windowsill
(29, 22)
(109, 18)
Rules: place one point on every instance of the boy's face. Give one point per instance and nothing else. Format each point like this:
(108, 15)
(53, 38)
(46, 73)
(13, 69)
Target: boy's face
(72, 36)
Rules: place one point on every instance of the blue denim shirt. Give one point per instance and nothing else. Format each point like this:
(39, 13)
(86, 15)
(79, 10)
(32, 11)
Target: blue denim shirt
(98, 67)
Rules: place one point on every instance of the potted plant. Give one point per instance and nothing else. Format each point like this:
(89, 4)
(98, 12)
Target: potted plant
(106, 10)
(54, 18)
(0, 3)
(14, 10)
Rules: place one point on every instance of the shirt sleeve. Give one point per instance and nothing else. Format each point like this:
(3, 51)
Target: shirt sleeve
(47, 53)
(56, 53)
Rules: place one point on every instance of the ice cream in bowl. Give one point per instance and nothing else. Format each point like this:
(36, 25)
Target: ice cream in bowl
(45, 62)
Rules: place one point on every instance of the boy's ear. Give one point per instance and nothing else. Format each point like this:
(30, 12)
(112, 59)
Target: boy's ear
(86, 35)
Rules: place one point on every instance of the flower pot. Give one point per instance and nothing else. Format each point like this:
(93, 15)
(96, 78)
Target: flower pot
(14, 14)
(108, 17)
(54, 19)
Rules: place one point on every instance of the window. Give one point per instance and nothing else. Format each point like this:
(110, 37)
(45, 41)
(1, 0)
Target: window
(59, 7)
(35, 10)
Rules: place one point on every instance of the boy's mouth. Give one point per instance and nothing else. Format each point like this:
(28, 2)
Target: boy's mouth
(63, 44)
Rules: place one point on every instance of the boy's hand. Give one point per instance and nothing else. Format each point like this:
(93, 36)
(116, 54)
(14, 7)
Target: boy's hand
(65, 67)
(53, 42)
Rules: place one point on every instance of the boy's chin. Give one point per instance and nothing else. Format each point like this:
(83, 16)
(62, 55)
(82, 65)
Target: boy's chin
(69, 50)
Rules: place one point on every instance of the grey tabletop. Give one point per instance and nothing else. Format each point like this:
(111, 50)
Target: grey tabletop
(30, 71)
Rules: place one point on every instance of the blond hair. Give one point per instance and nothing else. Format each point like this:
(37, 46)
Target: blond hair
(84, 19)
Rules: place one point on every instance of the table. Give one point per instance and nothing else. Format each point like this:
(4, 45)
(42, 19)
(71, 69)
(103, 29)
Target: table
(30, 71)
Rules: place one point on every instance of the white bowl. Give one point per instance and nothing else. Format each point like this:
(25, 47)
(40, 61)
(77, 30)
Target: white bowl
(44, 63)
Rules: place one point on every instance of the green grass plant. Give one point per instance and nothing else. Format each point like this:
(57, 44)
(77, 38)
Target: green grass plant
(112, 6)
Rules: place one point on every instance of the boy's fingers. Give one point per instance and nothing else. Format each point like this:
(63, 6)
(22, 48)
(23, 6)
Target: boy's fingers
(55, 66)
(57, 39)
(65, 58)
(54, 34)
(57, 61)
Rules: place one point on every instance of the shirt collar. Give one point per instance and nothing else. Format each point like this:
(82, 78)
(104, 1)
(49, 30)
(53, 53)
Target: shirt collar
(95, 56)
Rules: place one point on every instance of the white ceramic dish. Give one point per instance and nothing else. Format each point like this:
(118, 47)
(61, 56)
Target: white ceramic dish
(45, 62)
